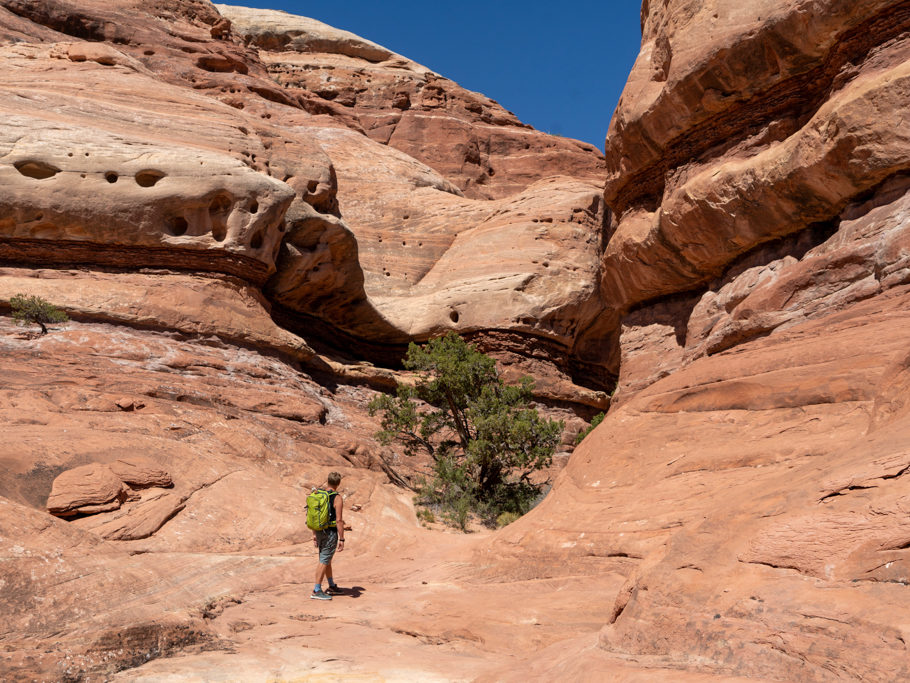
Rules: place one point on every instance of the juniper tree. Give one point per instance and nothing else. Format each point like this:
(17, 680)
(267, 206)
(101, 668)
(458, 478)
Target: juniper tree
(484, 439)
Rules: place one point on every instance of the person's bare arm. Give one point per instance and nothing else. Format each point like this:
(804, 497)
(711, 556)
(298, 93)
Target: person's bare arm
(339, 520)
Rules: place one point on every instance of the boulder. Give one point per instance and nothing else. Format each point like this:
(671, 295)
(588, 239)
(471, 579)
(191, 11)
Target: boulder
(140, 472)
(86, 489)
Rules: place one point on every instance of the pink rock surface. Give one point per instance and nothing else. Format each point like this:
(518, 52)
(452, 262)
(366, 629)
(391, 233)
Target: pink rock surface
(755, 504)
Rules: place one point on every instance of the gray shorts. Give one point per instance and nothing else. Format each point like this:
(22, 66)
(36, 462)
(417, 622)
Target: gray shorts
(328, 541)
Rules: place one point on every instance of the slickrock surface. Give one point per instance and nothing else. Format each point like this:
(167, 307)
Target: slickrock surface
(247, 216)
(759, 498)
(213, 574)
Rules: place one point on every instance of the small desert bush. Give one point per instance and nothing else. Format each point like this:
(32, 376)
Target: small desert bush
(505, 519)
(426, 515)
(34, 309)
(583, 433)
(485, 440)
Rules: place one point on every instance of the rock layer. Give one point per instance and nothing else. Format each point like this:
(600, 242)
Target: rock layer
(727, 156)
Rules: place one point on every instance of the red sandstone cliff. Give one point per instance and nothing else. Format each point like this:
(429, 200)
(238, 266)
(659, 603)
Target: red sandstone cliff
(157, 136)
(751, 480)
(245, 210)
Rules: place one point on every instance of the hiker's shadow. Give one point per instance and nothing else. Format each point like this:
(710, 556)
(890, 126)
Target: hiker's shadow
(354, 591)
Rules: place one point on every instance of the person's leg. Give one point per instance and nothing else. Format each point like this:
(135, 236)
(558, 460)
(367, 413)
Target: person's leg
(320, 565)
(332, 544)
(328, 573)
(318, 593)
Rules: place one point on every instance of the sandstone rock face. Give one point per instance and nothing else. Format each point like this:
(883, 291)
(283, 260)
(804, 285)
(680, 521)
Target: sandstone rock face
(776, 139)
(756, 500)
(743, 278)
(207, 141)
(192, 304)
(750, 479)
(471, 140)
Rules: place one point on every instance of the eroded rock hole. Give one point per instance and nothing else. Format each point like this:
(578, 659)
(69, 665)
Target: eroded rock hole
(111, 177)
(177, 226)
(220, 205)
(453, 316)
(256, 242)
(36, 169)
(311, 186)
(148, 177)
(219, 210)
(254, 207)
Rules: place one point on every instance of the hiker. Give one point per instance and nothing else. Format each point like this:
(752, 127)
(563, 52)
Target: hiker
(328, 539)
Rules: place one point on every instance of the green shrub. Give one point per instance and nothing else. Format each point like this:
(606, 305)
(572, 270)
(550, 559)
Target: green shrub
(505, 519)
(34, 309)
(483, 437)
(594, 422)
(458, 512)
(426, 515)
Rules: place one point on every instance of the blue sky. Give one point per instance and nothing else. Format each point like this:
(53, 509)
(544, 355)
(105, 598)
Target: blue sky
(559, 66)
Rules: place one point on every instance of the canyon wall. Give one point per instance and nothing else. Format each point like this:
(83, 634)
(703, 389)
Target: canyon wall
(371, 201)
(750, 481)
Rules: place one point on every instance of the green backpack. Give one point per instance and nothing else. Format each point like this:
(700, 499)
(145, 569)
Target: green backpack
(317, 509)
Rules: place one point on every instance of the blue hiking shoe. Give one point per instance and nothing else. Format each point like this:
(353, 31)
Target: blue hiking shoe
(320, 595)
